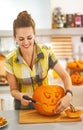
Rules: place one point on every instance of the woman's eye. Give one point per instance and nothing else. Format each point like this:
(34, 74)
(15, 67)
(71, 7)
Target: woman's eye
(29, 38)
(21, 39)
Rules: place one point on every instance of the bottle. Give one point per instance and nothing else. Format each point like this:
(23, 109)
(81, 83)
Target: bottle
(78, 20)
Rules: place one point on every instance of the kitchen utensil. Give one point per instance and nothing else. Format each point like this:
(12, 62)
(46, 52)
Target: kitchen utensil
(31, 99)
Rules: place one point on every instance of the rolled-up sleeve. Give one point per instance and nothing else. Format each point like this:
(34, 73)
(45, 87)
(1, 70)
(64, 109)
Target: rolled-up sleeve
(8, 66)
(52, 59)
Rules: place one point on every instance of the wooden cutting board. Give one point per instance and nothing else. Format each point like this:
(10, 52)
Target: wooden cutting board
(32, 116)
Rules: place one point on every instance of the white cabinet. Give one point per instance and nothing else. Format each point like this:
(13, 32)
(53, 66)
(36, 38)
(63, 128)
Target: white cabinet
(7, 103)
(77, 95)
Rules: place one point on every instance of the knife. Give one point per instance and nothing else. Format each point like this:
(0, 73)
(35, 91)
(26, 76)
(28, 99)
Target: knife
(31, 99)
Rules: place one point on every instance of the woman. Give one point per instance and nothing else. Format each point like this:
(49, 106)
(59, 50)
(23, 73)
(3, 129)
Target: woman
(27, 66)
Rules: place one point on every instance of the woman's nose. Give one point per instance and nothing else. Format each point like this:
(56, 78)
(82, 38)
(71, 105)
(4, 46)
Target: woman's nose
(25, 41)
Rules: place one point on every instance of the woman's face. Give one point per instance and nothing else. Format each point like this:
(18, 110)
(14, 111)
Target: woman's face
(25, 38)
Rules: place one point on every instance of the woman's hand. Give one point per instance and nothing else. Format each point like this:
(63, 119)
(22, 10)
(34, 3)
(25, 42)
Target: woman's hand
(63, 103)
(25, 102)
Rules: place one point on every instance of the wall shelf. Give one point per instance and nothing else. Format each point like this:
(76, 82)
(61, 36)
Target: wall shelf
(48, 32)
(61, 31)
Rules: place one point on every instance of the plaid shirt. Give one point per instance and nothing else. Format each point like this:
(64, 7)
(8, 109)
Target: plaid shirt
(29, 79)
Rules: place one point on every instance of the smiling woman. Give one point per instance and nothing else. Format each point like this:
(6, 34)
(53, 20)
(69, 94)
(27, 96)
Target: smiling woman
(28, 65)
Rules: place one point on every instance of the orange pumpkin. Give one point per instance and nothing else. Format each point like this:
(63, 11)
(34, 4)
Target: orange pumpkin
(76, 78)
(75, 114)
(47, 96)
(76, 64)
(71, 65)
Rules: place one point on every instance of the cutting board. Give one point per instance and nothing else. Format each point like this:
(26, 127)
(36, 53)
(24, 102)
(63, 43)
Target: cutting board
(32, 117)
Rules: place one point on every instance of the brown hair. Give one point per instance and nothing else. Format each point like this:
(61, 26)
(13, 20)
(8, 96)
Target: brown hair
(23, 20)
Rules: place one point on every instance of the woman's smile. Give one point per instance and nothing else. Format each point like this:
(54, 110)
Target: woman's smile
(26, 45)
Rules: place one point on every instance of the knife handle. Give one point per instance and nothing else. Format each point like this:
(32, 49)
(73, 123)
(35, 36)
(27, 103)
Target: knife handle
(29, 98)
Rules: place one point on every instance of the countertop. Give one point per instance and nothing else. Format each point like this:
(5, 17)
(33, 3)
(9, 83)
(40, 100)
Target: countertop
(4, 89)
(13, 124)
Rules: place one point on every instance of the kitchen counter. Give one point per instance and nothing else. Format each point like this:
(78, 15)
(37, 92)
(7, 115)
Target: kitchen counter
(13, 124)
(4, 89)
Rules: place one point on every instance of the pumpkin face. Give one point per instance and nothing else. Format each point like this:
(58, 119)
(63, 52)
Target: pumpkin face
(76, 78)
(47, 96)
(75, 114)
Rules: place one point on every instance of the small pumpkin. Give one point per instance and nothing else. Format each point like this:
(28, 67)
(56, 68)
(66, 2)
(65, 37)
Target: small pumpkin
(75, 114)
(72, 65)
(76, 64)
(47, 96)
(76, 78)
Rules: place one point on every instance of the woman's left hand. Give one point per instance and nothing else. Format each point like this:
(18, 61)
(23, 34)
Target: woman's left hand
(63, 103)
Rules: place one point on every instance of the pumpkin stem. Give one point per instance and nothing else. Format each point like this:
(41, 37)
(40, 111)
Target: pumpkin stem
(72, 108)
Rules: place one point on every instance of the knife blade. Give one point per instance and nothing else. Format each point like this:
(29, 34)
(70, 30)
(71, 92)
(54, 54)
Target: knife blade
(31, 99)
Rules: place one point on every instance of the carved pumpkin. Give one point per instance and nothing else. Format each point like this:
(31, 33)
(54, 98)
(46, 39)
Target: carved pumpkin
(76, 78)
(47, 96)
(75, 114)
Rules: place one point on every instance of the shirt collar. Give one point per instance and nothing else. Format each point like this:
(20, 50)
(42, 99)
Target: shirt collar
(19, 58)
(40, 54)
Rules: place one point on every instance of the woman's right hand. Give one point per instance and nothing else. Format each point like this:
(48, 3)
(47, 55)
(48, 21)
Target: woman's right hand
(25, 102)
